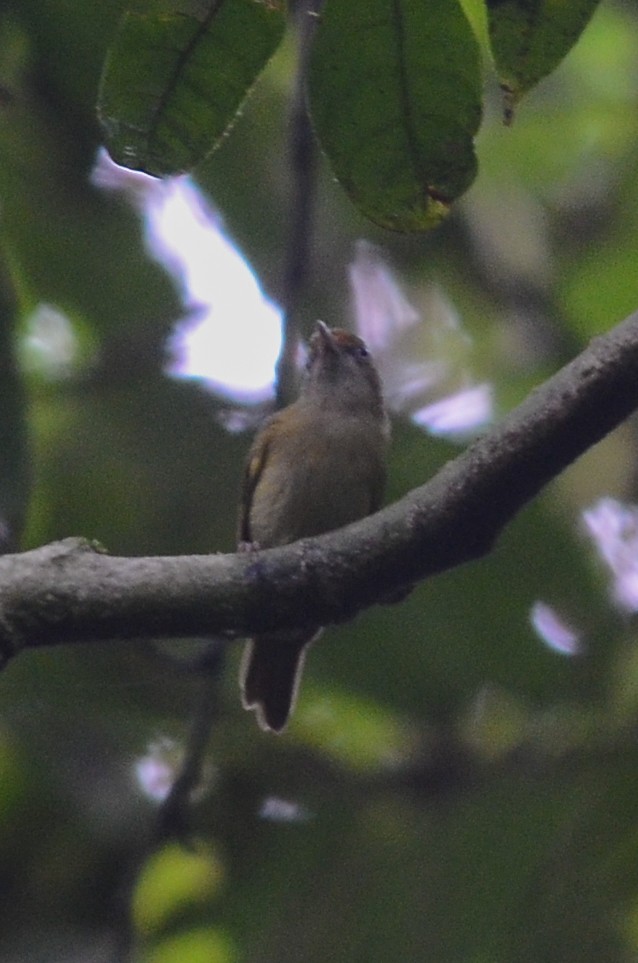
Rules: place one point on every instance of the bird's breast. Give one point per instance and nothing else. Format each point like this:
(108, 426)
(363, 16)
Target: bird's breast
(318, 477)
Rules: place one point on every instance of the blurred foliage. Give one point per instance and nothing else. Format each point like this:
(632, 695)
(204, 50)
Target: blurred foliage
(529, 40)
(175, 79)
(450, 789)
(395, 96)
(394, 88)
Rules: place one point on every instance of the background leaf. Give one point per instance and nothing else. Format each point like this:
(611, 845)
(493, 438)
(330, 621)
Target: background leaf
(529, 39)
(175, 79)
(395, 96)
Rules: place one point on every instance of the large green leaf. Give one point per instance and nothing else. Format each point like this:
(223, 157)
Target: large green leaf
(395, 88)
(174, 80)
(529, 38)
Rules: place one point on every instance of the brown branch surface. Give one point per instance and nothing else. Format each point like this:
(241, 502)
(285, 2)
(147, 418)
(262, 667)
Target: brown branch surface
(70, 591)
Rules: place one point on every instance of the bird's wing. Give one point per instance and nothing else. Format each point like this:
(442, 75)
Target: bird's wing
(255, 462)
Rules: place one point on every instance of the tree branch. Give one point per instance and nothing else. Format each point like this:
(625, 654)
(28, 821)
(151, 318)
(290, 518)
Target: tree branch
(70, 591)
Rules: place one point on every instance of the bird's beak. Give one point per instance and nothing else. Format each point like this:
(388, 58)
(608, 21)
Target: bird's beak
(326, 338)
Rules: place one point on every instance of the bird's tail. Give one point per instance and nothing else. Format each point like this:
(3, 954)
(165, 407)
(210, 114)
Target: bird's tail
(270, 674)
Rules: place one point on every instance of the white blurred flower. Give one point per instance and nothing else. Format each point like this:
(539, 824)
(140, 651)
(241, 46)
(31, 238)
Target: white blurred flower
(459, 414)
(613, 527)
(155, 772)
(380, 306)
(552, 629)
(49, 345)
(423, 356)
(279, 810)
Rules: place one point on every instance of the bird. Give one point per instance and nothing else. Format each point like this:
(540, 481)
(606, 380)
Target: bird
(314, 466)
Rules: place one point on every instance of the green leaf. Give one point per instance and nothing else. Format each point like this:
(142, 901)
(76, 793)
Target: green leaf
(529, 39)
(174, 80)
(205, 944)
(395, 92)
(173, 879)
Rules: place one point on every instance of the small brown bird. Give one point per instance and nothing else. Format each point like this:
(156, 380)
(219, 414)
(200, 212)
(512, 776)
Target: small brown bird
(315, 466)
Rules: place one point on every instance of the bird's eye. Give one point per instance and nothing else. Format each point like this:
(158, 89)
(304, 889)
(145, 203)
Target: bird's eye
(361, 351)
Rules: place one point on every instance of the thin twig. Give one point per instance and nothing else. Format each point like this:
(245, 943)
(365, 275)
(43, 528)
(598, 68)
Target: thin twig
(174, 815)
(302, 164)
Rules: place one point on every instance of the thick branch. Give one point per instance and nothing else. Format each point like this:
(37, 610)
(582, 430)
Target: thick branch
(70, 592)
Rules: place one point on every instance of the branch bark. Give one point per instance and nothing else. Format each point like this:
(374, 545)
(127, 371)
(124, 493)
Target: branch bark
(71, 591)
